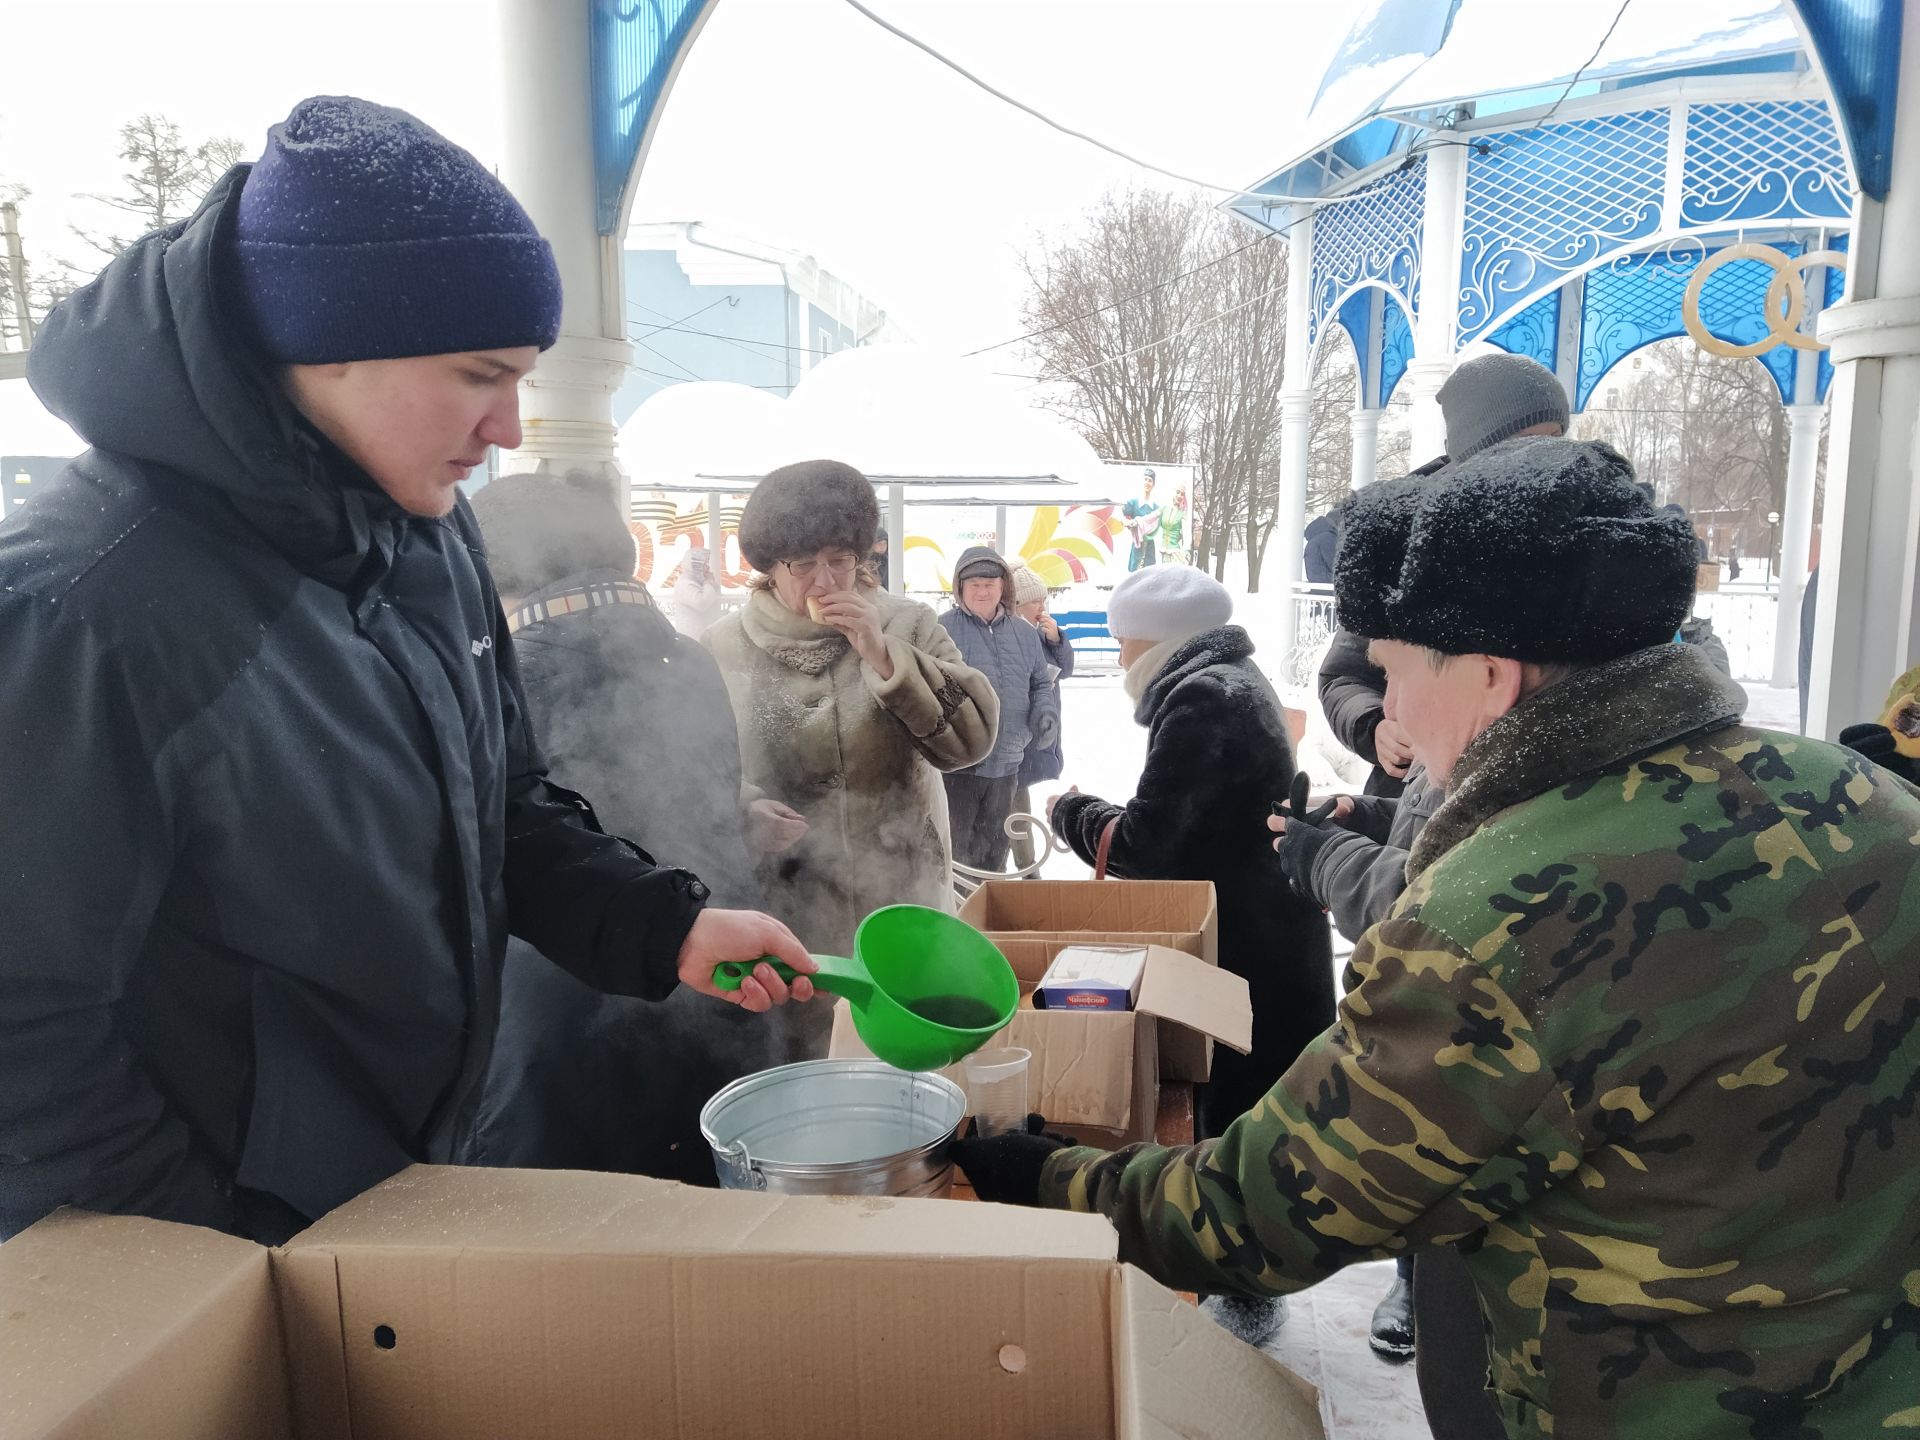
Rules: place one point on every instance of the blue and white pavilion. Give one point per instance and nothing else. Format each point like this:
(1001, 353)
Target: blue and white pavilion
(1557, 210)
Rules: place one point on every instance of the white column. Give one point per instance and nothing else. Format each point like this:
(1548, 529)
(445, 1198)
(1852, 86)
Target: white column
(1796, 534)
(547, 161)
(1867, 629)
(1366, 445)
(1436, 327)
(999, 529)
(897, 539)
(1296, 420)
(716, 538)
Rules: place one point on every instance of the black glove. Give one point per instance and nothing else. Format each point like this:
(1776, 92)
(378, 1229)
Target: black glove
(1006, 1169)
(1307, 833)
(1876, 743)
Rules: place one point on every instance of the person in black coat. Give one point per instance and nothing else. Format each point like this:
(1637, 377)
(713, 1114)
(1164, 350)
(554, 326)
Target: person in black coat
(1217, 757)
(268, 797)
(1322, 539)
(635, 714)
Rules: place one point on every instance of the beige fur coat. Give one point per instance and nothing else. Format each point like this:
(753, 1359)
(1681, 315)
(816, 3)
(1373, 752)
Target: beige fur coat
(857, 755)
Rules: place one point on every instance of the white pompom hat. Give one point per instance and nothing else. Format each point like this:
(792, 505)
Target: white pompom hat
(1167, 602)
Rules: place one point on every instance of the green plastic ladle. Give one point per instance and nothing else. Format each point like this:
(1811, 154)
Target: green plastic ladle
(925, 988)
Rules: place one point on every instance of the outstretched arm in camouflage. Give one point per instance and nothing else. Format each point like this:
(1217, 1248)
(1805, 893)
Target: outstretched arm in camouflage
(1422, 1116)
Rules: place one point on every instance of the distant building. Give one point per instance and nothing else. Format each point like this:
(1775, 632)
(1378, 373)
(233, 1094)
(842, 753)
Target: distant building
(703, 304)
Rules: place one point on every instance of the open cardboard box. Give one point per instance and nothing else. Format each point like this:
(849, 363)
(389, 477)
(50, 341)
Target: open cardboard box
(1096, 1074)
(1175, 914)
(457, 1304)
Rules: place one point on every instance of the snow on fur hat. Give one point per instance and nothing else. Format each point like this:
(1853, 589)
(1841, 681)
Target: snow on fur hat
(807, 507)
(1492, 397)
(1541, 550)
(1026, 586)
(363, 234)
(1167, 602)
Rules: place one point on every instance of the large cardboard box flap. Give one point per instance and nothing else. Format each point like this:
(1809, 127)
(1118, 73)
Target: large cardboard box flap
(1172, 1374)
(112, 1325)
(448, 1304)
(1196, 997)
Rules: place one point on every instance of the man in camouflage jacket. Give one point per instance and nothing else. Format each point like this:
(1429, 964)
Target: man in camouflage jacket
(1641, 1039)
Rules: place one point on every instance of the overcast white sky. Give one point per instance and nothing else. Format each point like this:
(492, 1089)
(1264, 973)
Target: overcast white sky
(798, 122)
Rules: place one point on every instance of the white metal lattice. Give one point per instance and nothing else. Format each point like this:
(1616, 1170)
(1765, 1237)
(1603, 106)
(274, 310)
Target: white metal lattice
(1373, 234)
(1761, 161)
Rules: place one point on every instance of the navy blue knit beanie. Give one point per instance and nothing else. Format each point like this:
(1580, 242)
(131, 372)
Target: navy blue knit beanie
(365, 235)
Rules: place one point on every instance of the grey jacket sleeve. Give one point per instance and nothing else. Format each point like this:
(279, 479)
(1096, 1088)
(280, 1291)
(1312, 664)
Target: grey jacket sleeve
(1358, 880)
(1353, 694)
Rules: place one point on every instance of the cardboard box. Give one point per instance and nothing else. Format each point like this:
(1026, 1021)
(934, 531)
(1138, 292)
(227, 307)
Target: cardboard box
(1096, 1073)
(1707, 578)
(1177, 914)
(455, 1304)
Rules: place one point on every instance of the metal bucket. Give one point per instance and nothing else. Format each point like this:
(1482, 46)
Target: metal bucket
(835, 1127)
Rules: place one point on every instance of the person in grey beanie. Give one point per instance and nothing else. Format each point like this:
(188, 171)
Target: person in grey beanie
(1008, 651)
(268, 776)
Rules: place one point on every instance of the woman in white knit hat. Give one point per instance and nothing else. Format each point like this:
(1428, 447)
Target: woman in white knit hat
(1217, 756)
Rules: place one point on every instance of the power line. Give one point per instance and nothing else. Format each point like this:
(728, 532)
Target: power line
(682, 379)
(676, 324)
(1047, 120)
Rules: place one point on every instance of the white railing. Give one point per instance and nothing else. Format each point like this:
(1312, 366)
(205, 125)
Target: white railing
(1743, 618)
(966, 879)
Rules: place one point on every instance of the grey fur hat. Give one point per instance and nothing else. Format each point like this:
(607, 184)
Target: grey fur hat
(1542, 550)
(807, 507)
(1492, 397)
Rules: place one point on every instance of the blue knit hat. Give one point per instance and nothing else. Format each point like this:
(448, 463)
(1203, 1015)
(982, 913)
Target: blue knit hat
(365, 235)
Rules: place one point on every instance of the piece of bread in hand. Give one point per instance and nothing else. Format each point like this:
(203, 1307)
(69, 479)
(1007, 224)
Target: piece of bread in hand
(813, 610)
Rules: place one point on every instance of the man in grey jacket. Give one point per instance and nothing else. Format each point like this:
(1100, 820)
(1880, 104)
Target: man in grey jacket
(1008, 651)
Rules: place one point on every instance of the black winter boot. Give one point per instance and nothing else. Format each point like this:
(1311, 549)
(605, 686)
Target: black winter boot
(1392, 1336)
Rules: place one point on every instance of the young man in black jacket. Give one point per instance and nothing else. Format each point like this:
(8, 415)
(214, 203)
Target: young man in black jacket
(268, 795)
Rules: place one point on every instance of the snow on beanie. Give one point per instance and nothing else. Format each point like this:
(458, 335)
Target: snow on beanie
(1542, 550)
(1492, 397)
(1167, 602)
(363, 234)
(1027, 586)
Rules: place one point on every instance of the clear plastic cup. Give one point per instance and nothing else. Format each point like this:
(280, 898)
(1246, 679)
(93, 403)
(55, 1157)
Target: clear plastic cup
(997, 1089)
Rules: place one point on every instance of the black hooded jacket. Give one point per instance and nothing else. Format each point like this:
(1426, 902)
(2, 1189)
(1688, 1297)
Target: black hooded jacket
(1217, 757)
(268, 801)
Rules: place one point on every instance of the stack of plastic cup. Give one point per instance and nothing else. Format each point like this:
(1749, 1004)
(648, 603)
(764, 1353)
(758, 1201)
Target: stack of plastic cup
(997, 1089)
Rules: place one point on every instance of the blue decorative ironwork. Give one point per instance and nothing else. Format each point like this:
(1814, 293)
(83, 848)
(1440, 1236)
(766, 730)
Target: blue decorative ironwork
(1356, 318)
(1543, 204)
(1396, 346)
(1859, 48)
(1534, 332)
(1371, 235)
(1769, 160)
(634, 46)
(1634, 300)
(1836, 287)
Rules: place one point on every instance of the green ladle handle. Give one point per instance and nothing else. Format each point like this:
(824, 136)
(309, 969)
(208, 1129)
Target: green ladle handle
(837, 974)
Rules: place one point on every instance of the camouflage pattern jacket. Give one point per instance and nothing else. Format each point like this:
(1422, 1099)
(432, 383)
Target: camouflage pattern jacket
(1641, 1040)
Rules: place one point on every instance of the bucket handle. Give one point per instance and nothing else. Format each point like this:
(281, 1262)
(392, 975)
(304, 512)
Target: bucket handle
(837, 974)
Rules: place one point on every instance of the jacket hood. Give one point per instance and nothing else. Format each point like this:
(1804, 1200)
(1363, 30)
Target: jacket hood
(142, 364)
(984, 552)
(1220, 646)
